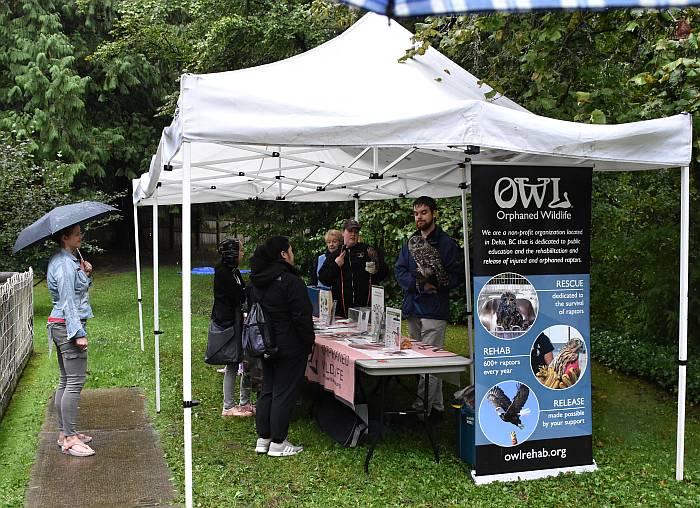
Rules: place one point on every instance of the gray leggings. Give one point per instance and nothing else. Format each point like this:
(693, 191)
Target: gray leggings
(246, 386)
(72, 364)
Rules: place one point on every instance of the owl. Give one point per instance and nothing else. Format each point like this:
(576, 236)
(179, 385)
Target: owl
(507, 315)
(428, 261)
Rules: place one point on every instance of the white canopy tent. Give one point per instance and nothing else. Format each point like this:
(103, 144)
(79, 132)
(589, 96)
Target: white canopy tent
(347, 121)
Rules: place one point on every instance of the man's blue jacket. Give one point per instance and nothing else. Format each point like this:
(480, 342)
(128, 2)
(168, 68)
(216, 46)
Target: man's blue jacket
(416, 303)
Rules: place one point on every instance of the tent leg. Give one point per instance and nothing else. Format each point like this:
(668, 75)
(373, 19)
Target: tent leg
(186, 319)
(138, 273)
(357, 209)
(467, 274)
(156, 304)
(683, 319)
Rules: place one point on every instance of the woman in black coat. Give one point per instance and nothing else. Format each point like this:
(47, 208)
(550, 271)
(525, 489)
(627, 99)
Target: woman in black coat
(229, 301)
(286, 305)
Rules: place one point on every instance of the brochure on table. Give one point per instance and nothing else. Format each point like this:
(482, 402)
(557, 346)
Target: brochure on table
(326, 307)
(392, 333)
(377, 317)
(532, 336)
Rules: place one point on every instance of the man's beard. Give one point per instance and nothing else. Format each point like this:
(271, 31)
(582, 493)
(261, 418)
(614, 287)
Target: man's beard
(425, 225)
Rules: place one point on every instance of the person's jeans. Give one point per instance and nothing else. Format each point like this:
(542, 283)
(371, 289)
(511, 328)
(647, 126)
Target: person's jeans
(72, 364)
(430, 331)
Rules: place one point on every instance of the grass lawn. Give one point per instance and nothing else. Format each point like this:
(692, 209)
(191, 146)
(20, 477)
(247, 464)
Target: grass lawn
(633, 428)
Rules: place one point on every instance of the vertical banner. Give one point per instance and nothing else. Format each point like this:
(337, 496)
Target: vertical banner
(532, 332)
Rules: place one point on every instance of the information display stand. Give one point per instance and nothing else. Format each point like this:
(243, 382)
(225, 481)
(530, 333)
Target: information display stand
(532, 331)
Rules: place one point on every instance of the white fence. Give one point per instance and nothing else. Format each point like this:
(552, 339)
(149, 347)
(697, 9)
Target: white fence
(16, 330)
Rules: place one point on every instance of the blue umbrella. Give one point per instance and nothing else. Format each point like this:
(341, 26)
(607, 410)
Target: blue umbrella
(60, 218)
(405, 8)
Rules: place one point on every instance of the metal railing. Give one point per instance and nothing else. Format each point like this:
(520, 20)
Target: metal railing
(16, 330)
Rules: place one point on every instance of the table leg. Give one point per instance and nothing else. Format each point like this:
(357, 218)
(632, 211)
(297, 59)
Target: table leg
(426, 418)
(378, 434)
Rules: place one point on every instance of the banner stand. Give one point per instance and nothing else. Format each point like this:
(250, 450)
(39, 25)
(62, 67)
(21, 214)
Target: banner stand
(531, 295)
(530, 475)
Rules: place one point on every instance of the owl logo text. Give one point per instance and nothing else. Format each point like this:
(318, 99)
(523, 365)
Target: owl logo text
(509, 191)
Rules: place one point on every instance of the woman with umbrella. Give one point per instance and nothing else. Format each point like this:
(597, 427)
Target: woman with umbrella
(68, 279)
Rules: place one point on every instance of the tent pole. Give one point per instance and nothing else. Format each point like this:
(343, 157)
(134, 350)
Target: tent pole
(156, 301)
(467, 274)
(357, 209)
(683, 319)
(138, 273)
(375, 159)
(279, 172)
(186, 319)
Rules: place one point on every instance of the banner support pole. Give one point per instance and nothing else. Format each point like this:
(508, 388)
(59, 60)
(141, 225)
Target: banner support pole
(467, 273)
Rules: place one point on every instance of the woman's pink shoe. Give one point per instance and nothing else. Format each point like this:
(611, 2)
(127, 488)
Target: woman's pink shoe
(249, 407)
(78, 449)
(237, 411)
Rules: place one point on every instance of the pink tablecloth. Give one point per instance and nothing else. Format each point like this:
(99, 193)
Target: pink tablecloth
(332, 364)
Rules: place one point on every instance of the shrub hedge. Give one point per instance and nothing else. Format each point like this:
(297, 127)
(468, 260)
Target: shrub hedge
(655, 362)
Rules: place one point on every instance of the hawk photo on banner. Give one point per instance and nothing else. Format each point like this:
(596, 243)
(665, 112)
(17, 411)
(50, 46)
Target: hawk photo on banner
(568, 356)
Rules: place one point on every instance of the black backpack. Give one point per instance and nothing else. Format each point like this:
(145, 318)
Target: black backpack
(257, 337)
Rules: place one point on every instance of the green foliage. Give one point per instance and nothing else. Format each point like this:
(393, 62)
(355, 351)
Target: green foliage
(635, 252)
(645, 359)
(28, 191)
(216, 35)
(94, 116)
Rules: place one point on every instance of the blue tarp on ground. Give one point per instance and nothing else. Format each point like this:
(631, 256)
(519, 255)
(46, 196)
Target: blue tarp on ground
(207, 270)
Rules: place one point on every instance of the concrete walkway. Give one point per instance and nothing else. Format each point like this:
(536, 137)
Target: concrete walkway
(128, 468)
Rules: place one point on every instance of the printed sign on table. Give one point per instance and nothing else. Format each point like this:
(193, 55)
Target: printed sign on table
(377, 316)
(392, 332)
(532, 335)
(325, 307)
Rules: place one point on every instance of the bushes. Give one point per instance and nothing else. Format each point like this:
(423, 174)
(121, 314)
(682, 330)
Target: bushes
(27, 191)
(655, 362)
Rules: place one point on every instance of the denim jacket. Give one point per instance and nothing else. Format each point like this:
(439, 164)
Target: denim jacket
(68, 286)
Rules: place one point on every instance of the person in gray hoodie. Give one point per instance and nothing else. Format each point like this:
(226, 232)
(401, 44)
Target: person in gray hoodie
(282, 294)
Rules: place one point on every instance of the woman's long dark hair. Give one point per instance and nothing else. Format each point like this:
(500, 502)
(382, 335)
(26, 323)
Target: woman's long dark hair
(268, 252)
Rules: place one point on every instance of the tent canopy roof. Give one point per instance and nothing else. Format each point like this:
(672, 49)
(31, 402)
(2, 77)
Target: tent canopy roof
(346, 120)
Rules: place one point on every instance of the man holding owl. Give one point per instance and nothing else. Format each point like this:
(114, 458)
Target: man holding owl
(428, 267)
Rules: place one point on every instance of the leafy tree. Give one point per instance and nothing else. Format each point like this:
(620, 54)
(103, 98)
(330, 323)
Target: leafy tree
(27, 191)
(95, 117)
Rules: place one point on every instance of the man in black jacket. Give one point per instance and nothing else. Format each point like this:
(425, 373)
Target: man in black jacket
(287, 307)
(351, 270)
